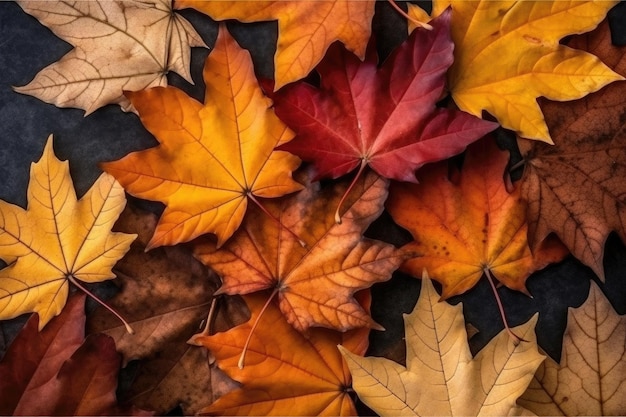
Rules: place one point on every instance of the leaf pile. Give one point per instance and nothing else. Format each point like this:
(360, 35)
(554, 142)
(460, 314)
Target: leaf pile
(249, 291)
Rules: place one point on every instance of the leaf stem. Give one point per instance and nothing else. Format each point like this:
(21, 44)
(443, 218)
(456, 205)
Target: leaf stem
(403, 13)
(516, 338)
(242, 358)
(517, 165)
(271, 216)
(208, 327)
(74, 281)
(343, 198)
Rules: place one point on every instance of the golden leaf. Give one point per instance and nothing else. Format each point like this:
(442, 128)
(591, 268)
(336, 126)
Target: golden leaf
(522, 39)
(57, 239)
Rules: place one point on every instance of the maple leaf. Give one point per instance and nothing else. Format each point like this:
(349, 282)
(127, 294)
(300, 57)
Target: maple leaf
(590, 378)
(576, 189)
(276, 379)
(470, 225)
(57, 239)
(34, 358)
(165, 295)
(384, 118)
(441, 377)
(118, 45)
(314, 284)
(212, 158)
(55, 372)
(305, 29)
(523, 39)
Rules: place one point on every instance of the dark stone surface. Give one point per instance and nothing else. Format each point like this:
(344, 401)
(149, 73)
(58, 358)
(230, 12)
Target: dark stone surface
(25, 122)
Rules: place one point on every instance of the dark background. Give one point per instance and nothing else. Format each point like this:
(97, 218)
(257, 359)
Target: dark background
(108, 134)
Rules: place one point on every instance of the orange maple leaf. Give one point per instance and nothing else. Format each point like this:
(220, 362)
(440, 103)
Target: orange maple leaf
(467, 227)
(315, 283)
(286, 372)
(305, 28)
(212, 157)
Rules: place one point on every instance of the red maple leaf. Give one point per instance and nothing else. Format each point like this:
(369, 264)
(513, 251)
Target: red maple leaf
(386, 117)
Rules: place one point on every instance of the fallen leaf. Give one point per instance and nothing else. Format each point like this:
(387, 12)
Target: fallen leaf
(34, 358)
(523, 38)
(590, 380)
(126, 45)
(86, 383)
(314, 284)
(441, 377)
(57, 239)
(465, 226)
(55, 372)
(286, 372)
(385, 118)
(212, 157)
(165, 295)
(576, 189)
(305, 29)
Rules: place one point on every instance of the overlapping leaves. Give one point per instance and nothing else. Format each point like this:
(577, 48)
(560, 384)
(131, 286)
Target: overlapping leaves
(383, 118)
(469, 224)
(305, 29)
(212, 157)
(314, 283)
(523, 38)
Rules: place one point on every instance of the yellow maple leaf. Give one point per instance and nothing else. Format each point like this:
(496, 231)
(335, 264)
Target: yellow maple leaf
(57, 239)
(441, 378)
(213, 157)
(507, 54)
(305, 28)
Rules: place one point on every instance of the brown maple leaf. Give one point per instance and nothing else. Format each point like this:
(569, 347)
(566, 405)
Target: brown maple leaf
(118, 45)
(165, 295)
(591, 376)
(305, 29)
(315, 283)
(212, 158)
(577, 188)
(287, 372)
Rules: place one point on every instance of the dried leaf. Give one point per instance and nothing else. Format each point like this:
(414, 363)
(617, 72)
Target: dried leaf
(462, 228)
(212, 157)
(590, 380)
(57, 239)
(165, 296)
(34, 358)
(385, 118)
(119, 45)
(441, 377)
(305, 29)
(286, 372)
(523, 38)
(315, 284)
(576, 189)
(52, 373)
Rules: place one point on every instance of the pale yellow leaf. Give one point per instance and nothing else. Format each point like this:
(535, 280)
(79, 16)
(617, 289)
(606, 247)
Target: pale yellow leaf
(441, 377)
(118, 46)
